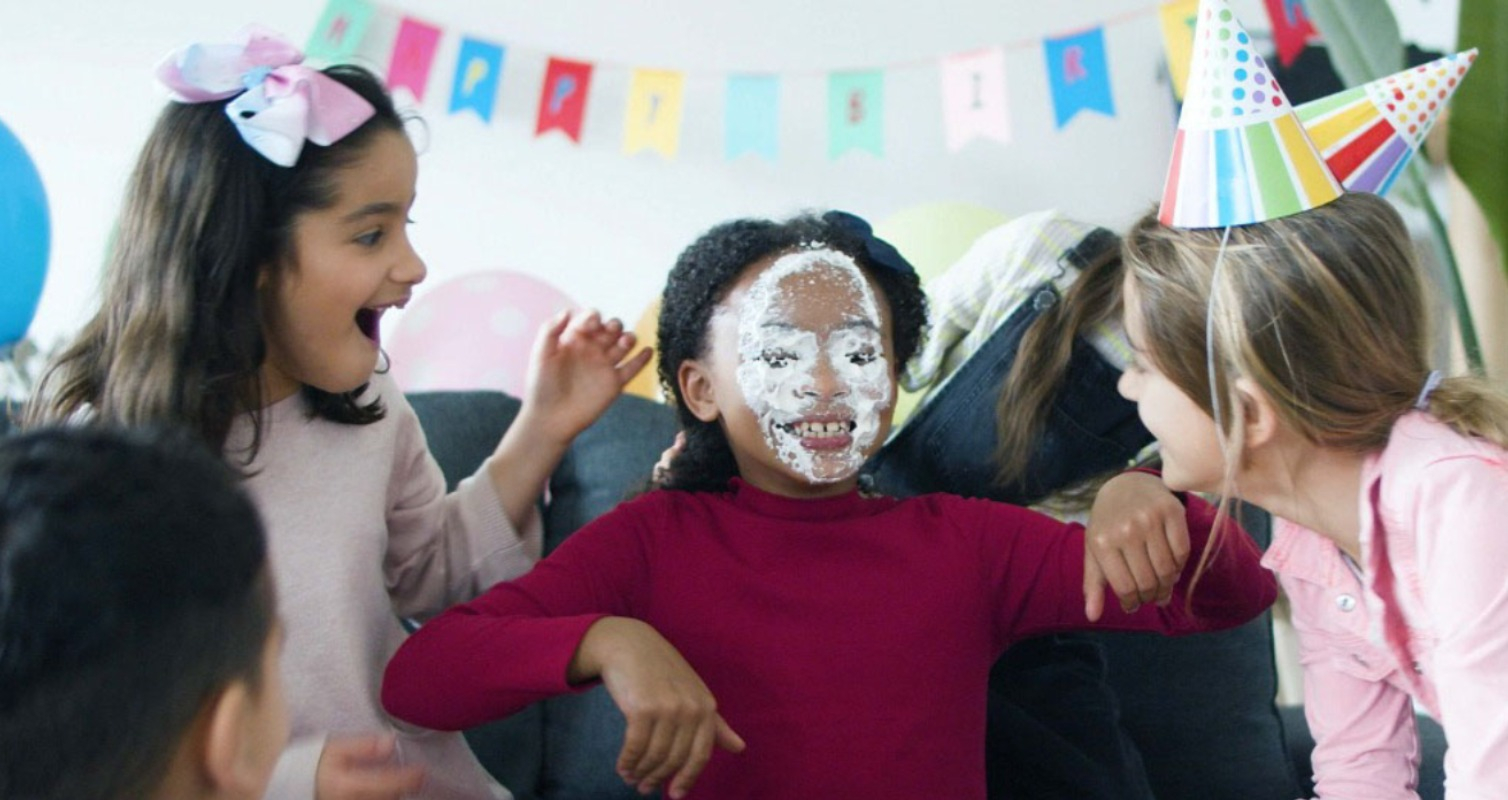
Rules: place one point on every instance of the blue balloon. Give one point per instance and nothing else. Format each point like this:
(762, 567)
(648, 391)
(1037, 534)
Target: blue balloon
(24, 238)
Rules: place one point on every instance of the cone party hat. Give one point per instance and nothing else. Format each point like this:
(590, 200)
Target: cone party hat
(1240, 154)
(1368, 134)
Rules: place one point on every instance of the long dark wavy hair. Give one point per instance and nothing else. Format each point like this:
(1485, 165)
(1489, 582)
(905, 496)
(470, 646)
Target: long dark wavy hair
(701, 279)
(205, 224)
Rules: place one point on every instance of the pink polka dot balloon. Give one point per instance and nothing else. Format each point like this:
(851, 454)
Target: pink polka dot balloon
(473, 332)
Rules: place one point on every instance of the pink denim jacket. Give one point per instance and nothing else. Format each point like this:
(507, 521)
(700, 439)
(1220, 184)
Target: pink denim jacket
(1428, 621)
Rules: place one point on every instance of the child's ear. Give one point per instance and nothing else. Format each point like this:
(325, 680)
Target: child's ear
(697, 390)
(229, 747)
(1261, 417)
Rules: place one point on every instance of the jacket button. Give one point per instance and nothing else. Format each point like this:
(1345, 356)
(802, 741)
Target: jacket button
(1345, 603)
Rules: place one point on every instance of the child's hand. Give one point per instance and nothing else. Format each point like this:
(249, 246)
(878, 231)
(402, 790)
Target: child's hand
(575, 373)
(362, 768)
(662, 467)
(1138, 541)
(672, 718)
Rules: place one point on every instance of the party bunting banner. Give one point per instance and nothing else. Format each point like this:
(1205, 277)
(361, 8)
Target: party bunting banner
(1291, 29)
(339, 31)
(855, 112)
(1078, 74)
(562, 97)
(413, 54)
(1178, 20)
(752, 117)
(479, 71)
(973, 90)
(653, 118)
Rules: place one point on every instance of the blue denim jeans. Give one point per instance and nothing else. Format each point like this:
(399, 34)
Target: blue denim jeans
(948, 445)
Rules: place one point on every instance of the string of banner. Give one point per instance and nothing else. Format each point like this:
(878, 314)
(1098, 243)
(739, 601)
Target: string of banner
(973, 83)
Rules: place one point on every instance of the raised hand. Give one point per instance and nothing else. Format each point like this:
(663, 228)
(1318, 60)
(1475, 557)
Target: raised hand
(1137, 541)
(673, 722)
(577, 370)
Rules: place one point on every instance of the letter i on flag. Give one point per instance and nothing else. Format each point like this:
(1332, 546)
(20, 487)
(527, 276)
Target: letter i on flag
(973, 90)
(562, 97)
(479, 70)
(653, 119)
(1178, 20)
(339, 31)
(413, 54)
(752, 116)
(1079, 75)
(855, 112)
(1291, 29)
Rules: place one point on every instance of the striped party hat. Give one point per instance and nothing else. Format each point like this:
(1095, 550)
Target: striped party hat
(1240, 155)
(1368, 134)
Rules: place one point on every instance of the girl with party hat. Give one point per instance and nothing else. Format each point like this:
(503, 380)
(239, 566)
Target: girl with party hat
(1282, 359)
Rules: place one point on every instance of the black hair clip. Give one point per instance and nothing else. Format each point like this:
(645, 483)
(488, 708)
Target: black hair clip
(881, 252)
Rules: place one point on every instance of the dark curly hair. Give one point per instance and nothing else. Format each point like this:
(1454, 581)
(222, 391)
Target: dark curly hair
(701, 279)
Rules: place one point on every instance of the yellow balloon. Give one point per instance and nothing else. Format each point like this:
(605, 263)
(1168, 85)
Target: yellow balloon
(932, 236)
(647, 383)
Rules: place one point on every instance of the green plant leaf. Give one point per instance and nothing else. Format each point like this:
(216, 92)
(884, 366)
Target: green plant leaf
(1361, 37)
(1364, 44)
(1478, 135)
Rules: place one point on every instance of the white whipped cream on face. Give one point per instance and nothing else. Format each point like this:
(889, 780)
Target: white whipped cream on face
(778, 366)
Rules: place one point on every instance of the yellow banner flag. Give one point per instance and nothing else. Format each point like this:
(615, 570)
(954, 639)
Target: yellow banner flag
(1178, 18)
(653, 119)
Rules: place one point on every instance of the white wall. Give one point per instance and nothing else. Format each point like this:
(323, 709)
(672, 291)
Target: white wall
(76, 87)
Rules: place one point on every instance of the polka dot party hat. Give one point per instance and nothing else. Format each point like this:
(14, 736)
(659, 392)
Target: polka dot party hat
(1368, 134)
(1240, 155)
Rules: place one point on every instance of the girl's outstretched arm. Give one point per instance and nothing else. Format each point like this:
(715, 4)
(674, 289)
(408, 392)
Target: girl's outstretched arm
(1137, 541)
(1038, 566)
(576, 372)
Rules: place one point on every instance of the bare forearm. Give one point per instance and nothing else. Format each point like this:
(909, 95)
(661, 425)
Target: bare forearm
(521, 465)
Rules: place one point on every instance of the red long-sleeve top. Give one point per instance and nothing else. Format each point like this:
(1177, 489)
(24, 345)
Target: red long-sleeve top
(848, 640)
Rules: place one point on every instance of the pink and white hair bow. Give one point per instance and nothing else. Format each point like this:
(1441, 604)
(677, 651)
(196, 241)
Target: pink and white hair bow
(282, 103)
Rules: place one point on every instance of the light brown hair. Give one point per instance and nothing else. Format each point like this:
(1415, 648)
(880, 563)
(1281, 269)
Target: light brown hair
(1324, 311)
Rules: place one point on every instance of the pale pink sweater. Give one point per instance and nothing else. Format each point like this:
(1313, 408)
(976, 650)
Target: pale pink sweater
(361, 532)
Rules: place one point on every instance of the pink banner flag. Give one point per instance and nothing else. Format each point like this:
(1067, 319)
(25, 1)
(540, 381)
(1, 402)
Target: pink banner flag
(413, 54)
(973, 91)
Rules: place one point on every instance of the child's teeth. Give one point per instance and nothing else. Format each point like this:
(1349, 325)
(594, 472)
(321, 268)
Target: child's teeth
(820, 429)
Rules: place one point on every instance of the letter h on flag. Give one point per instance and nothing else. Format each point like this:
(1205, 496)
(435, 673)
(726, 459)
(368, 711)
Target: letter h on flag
(339, 31)
(1079, 75)
(413, 54)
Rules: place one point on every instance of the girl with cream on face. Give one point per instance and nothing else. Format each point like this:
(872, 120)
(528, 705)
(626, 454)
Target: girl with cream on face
(812, 365)
(766, 629)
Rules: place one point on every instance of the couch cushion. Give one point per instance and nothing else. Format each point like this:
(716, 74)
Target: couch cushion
(1202, 708)
(462, 429)
(606, 464)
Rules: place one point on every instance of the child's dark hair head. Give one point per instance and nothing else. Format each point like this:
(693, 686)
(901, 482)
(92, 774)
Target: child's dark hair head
(702, 278)
(133, 588)
(204, 226)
